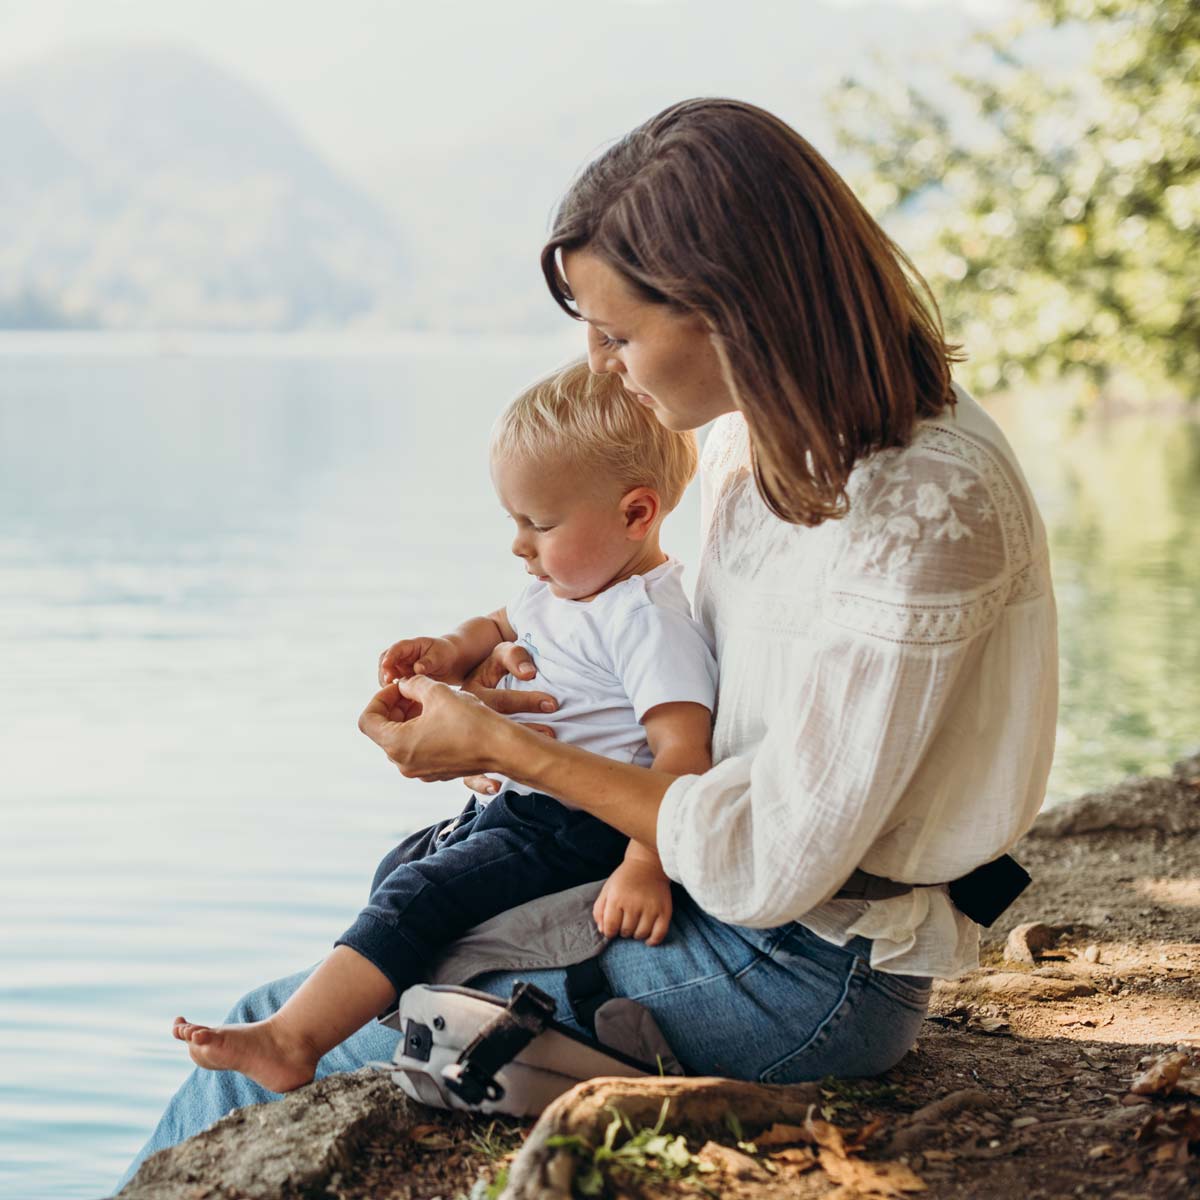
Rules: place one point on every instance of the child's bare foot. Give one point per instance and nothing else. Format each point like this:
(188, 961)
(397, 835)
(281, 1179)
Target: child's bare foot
(258, 1050)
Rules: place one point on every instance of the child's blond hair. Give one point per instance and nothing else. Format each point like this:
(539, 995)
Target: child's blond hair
(593, 422)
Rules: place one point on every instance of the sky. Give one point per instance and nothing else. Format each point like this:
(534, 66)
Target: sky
(386, 73)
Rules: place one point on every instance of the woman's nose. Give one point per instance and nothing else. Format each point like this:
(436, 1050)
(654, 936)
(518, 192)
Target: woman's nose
(601, 360)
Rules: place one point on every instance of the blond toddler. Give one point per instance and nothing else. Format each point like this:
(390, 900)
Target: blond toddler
(587, 474)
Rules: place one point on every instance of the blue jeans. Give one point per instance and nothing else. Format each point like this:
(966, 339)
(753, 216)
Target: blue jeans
(448, 878)
(775, 1005)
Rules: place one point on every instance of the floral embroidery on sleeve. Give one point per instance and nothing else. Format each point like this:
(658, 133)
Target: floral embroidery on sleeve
(904, 514)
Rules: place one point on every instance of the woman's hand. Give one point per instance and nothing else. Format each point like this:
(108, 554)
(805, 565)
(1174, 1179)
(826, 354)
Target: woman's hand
(508, 658)
(430, 731)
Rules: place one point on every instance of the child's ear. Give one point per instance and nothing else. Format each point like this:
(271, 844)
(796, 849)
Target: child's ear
(641, 507)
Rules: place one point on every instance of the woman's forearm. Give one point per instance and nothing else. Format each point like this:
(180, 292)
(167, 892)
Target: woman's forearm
(619, 794)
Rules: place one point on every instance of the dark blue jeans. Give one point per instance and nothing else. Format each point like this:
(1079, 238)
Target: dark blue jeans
(446, 879)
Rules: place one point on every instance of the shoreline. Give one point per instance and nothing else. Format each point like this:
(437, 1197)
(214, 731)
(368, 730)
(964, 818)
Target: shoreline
(1019, 1086)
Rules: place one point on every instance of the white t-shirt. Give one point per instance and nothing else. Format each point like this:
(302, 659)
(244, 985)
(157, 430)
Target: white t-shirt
(608, 661)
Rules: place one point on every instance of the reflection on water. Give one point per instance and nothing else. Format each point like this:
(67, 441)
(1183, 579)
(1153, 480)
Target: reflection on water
(200, 557)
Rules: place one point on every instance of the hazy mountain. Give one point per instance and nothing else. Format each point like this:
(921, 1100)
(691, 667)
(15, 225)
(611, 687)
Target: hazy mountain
(144, 187)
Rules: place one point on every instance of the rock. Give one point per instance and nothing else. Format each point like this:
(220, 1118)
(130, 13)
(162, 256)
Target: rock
(292, 1147)
(1027, 941)
(1092, 954)
(1170, 804)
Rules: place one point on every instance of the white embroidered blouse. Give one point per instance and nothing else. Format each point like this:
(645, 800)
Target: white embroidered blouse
(888, 692)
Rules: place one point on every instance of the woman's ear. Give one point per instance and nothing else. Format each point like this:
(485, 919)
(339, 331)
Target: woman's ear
(641, 509)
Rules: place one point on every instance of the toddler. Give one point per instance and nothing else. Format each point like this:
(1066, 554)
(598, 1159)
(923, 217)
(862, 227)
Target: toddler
(587, 475)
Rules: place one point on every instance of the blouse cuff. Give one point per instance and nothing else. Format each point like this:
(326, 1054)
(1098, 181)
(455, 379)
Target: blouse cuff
(670, 826)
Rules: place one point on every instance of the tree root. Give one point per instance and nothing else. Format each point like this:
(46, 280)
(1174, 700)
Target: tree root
(698, 1107)
(929, 1121)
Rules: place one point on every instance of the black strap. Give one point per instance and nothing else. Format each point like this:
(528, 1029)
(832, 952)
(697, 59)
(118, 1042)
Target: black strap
(473, 1076)
(587, 990)
(982, 894)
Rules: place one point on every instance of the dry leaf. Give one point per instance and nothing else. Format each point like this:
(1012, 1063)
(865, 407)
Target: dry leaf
(828, 1137)
(1161, 1076)
(940, 1155)
(872, 1178)
(795, 1158)
(782, 1135)
(995, 1026)
(1104, 1150)
(732, 1162)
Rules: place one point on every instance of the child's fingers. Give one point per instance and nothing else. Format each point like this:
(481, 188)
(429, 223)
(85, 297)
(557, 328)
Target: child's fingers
(662, 924)
(644, 926)
(629, 921)
(610, 925)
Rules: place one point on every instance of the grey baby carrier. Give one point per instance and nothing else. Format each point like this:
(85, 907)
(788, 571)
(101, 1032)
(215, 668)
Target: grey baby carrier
(466, 1049)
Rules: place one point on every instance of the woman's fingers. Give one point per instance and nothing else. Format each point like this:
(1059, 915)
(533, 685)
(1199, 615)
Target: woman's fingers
(508, 701)
(482, 783)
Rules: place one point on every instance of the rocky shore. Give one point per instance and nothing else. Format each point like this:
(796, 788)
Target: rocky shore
(1067, 1065)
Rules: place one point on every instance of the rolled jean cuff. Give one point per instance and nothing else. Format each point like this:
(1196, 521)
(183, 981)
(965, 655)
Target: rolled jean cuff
(386, 948)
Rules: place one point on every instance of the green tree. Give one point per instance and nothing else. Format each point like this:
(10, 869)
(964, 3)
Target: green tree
(1055, 213)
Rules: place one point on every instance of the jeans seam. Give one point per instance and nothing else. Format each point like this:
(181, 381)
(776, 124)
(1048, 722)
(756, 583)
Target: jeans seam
(857, 971)
(678, 987)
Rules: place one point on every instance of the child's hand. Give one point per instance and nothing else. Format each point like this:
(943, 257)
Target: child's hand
(635, 902)
(435, 657)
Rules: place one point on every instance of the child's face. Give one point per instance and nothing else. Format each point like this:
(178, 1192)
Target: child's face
(571, 530)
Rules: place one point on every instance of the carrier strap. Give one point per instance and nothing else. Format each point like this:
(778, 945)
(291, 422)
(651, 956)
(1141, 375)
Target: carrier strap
(982, 894)
(473, 1076)
(587, 990)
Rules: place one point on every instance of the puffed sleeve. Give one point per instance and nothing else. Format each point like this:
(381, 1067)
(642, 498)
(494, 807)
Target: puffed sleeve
(918, 579)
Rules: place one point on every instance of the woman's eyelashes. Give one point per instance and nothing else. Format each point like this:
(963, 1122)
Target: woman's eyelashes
(610, 343)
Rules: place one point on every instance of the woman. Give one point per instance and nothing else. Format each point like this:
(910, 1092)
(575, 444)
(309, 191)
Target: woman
(876, 580)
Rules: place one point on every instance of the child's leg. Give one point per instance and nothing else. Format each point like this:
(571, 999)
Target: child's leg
(519, 848)
(339, 997)
(281, 1053)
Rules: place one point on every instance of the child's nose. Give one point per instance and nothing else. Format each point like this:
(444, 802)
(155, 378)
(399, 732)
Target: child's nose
(521, 547)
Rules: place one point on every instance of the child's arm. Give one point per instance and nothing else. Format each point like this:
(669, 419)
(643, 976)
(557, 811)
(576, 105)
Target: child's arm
(636, 899)
(451, 658)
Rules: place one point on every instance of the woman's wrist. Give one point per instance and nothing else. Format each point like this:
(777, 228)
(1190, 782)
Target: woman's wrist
(510, 748)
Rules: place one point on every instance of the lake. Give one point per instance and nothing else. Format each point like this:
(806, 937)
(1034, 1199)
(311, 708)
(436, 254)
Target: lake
(204, 545)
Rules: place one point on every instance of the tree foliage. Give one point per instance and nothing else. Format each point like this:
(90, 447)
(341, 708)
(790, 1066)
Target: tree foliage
(1055, 213)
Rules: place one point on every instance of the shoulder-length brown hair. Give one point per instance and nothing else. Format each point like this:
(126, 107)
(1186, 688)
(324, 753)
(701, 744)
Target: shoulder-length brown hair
(833, 340)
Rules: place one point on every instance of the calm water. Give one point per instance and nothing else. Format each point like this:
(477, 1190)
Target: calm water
(204, 546)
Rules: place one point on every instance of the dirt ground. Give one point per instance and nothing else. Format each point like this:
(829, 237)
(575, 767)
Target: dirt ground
(1020, 1085)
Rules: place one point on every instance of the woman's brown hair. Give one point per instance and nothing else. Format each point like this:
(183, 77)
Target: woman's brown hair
(833, 340)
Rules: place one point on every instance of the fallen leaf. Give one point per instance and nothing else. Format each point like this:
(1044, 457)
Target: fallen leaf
(782, 1135)
(1104, 1150)
(827, 1136)
(996, 1026)
(732, 1162)
(872, 1178)
(796, 1158)
(1161, 1076)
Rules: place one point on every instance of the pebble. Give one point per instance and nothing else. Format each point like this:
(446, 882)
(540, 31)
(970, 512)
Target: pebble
(1092, 954)
(1024, 1122)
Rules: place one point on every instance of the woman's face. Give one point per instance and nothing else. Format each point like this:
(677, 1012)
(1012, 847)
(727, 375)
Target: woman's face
(666, 359)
